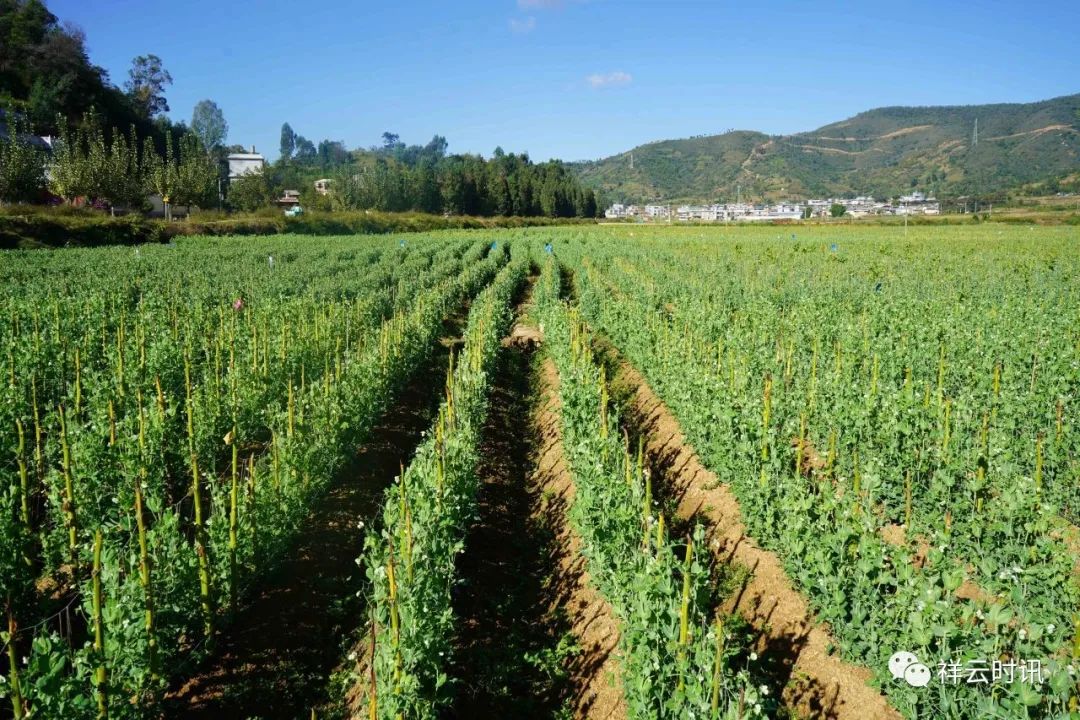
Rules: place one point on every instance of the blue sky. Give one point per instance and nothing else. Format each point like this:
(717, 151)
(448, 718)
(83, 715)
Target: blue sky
(576, 79)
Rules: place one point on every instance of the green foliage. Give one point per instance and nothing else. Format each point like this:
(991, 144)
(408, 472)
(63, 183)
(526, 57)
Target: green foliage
(146, 83)
(140, 418)
(22, 166)
(288, 142)
(208, 124)
(884, 152)
(837, 210)
(250, 192)
(185, 175)
(935, 391)
(671, 654)
(27, 226)
(401, 178)
(410, 561)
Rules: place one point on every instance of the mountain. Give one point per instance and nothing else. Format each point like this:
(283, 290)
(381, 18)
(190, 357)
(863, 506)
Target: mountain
(883, 152)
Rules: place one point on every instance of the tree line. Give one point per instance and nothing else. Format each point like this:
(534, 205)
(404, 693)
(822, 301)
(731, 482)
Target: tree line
(395, 177)
(50, 89)
(110, 169)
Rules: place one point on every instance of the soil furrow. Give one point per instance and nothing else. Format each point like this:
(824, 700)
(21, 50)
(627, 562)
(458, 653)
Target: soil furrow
(274, 660)
(508, 660)
(595, 680)
(817, 683)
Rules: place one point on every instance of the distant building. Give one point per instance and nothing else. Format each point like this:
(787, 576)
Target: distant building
(657, 212)
(289, 198)
(917, 203)
(245, 163)
(322, 186)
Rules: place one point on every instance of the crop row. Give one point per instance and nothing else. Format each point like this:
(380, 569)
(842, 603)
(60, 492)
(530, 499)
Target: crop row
(173, 461)
(901, 437)
(675, 660)
(411, 560)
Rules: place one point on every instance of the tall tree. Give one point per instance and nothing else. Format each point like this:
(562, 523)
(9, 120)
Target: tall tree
(208, 124)
(22, 166)
(146, 85)
(196, 174)
(390, 140)
(288, 141)
(305, 149)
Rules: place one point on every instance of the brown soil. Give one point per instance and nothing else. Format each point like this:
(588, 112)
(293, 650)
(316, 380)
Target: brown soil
(274, 660)
(503, 605)
(594, 671)
(896, 535)
(819, 684)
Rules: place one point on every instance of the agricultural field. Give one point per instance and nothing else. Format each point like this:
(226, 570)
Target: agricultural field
(618, 472)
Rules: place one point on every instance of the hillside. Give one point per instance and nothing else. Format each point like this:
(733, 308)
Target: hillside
(882, 152)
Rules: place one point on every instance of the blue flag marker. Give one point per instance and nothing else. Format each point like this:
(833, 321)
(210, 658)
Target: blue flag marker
(547, 248)
(834, 247)
(402, 243)
(792, 236)
(877, 288)
(494, 244)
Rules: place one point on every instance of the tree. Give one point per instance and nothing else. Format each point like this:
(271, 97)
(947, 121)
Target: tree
(250, 192)
(22, 166)
(196, 174)
(68, 169)
(305, 149)
(436, 148)
(837, 210)
(146, 85)
(208, 124)
(119, 171)
(332, 153)
(390, 140)
(161, 172)
(288, 141)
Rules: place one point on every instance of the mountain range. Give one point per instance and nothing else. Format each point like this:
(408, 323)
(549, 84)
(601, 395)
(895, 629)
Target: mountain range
(947, 151)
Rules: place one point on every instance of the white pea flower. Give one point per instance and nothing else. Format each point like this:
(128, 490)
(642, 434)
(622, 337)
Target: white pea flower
(352, 655)
(1023, 634)
(764, 689)
(753, 656)
(1051, 628)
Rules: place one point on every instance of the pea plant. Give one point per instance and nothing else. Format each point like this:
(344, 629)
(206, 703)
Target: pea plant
(410, 561)
(894, 418)
(161, 460)
(676, 660)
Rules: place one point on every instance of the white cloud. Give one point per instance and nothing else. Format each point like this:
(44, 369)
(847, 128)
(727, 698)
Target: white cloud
(523, 25)
(611, 79)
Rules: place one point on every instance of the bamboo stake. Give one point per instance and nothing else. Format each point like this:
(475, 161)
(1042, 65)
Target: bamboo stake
(100, 673)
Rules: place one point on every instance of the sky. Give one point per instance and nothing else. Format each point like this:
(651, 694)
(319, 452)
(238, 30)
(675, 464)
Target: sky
(576, 79)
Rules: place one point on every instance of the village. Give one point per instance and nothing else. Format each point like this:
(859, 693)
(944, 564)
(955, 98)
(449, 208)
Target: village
(916, 203)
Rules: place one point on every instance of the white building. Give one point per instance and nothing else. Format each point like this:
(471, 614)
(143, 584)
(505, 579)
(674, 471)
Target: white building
(917, 203)
(242, 163)
(657, 212)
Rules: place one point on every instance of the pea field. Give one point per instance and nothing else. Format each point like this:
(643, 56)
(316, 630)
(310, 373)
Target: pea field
(597, 472)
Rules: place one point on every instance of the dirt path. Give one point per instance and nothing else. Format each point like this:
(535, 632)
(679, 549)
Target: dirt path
(507, 660)
(276, 657)
(817, 684)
